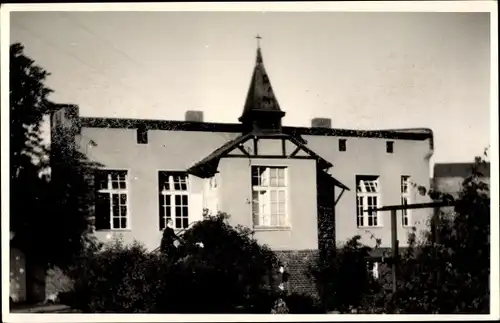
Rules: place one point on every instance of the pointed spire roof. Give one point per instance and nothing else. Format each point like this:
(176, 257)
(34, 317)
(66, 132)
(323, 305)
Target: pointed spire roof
(261, 101)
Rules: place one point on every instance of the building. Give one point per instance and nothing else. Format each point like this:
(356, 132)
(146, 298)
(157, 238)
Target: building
(448, 177)
(281, 181)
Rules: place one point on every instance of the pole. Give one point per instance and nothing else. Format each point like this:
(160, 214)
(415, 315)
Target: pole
(437, 240)
(394, 232)
(394, 235)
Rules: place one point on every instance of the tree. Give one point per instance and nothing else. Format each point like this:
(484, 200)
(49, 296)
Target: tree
(29, 155)
(449, 275)
(45, 213)
(445, 272)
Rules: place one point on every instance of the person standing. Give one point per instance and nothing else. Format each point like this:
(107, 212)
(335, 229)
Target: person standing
(168, 245)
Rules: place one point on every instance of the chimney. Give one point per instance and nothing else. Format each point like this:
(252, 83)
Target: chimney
(194, 116)
(321, 123)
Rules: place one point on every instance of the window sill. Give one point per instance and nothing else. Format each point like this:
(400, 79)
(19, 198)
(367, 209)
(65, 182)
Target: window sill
(271, 228)
(371, 227)
(175, 230)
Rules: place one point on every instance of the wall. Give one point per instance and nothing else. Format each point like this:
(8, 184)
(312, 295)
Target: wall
(211, 194)
(166, 151)
(452, 185)
(176, 150)
(367, 156)
(297, 264)
(236, 196)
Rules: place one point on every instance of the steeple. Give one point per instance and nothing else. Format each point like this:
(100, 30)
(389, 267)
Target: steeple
(262, 112)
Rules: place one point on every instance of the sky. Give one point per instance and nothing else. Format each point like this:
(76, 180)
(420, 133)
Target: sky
(364, 70)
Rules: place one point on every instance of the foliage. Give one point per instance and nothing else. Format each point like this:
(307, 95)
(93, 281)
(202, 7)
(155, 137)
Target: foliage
(280, 307)
(344, 280)
(448, 271)
(229, 261)
(28, 105)
(303, 304)
(28, 154)
(118, 279)
(41, 203)
(228, 272)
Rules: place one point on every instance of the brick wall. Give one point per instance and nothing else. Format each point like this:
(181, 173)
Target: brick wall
(297, 264)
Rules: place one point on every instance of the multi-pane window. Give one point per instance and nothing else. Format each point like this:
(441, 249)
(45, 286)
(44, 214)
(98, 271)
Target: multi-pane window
(367, 198)
(269, 196)
(173, 199)
(405, 199)
(111, 205)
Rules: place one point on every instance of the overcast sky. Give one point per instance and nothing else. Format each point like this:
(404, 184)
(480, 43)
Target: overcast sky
(363, 70)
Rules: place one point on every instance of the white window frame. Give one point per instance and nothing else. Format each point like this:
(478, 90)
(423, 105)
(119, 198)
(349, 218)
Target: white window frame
(173, 193)
(110, 191)
(405, 185)
(368, 187)
(264, 213)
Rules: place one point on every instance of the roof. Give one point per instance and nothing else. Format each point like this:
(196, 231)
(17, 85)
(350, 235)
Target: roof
(459, 169)
(260, 96)
(208, 166)
(210, 163)
(336, 182)
(174, 125)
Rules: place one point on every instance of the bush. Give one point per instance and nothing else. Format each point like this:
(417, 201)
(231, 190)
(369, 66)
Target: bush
(303, 304)
(280, 307)
(118, 279)
(343, 279)
(230, 263)
(450, 275)
(227, 275)
(260, 301)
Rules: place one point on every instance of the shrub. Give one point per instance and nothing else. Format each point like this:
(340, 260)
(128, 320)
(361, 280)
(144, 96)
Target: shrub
(280, 307)
(118, 279)
(226, 275)
(231, 264)
(343, 279)
(260, 301)
(303, 304)
(449, 275)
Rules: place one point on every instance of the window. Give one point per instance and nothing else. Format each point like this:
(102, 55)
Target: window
(342, 145)
(389, 147)
(367, 197)
(174, 199)
(269, 196)
(112, 202)
(142, 135)
(405, 199)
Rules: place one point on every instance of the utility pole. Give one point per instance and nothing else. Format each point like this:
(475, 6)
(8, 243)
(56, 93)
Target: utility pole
(394, 228)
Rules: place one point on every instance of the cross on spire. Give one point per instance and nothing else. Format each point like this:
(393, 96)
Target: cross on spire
(258, 40)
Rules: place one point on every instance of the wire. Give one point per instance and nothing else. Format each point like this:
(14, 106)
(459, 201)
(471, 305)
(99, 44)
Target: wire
(110, 44)
(51, 44)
